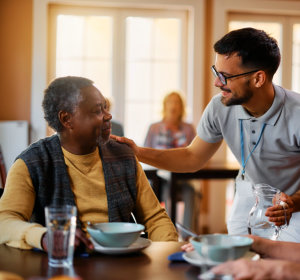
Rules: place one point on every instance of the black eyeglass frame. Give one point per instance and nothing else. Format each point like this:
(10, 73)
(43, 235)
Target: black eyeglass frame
(224, 79)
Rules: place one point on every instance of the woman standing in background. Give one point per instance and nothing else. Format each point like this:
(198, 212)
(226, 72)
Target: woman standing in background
(173, 132)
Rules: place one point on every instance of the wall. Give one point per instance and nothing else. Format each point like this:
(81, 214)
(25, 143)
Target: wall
(15, 59)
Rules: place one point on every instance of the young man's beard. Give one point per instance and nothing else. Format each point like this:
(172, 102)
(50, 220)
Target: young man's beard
(237, 100)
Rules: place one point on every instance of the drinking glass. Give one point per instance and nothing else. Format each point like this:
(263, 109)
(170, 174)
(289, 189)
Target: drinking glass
(258, 223)
(61, 227)
(215, 251)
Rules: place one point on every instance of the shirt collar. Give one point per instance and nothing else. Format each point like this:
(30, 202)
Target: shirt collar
(272, 115)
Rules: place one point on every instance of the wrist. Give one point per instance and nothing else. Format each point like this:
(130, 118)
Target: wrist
(44, 242)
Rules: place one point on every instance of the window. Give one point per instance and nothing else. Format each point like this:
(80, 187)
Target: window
(286, 30)
(134, 57)
(296, 57)
(274, 29)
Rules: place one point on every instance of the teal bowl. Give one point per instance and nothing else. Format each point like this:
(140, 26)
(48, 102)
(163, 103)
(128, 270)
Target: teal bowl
(221, 247)
(115, 234)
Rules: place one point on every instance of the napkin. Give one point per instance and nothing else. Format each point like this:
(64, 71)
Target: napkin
(176, 257)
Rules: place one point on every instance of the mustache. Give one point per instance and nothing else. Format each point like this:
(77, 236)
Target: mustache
(225, 89)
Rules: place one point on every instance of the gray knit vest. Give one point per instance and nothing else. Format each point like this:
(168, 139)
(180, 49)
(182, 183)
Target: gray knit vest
(45, 162)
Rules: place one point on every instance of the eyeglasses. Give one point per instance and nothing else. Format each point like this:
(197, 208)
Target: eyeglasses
(224, 79)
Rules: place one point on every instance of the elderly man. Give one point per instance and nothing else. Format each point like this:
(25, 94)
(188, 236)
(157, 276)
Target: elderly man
(79, 166)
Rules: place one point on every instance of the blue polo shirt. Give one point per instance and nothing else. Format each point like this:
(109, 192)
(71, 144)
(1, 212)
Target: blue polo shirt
(276, 159)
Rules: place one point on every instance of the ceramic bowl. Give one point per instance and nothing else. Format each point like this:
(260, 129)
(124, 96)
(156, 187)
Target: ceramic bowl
(221, 247)
(116, 234)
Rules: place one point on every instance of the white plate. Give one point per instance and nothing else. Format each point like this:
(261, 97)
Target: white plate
(195, 259)
(138, 245)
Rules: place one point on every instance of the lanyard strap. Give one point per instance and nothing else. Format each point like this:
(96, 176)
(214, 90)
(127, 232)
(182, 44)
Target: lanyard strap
(242, 146)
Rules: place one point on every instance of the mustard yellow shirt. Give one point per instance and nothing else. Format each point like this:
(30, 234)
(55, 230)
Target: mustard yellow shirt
(88, 185)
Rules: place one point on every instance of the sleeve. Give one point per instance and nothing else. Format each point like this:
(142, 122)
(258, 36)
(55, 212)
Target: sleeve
(16, 206)
(208, 128)
(149, 212)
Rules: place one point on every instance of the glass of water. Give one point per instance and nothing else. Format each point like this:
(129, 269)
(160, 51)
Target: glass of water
(61, 227)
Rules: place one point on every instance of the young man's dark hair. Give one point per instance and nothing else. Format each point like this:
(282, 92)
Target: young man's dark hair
(255, 47)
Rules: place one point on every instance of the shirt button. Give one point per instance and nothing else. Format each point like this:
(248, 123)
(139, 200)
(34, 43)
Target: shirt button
(254, 143)
(253, 131)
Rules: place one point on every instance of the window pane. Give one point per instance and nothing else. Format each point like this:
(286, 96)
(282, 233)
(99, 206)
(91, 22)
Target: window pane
(296, 58)
(153, 67)
(138, 36)
(167, 39)
(138, 77)
(84, 48)
(274, 29)
(137, 113)
(70, 34)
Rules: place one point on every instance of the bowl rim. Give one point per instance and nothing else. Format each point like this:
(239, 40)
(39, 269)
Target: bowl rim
(247, 240)
(139, 228)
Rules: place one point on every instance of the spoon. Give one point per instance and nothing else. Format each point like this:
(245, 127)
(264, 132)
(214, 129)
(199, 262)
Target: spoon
(184, 229)
(92, 226)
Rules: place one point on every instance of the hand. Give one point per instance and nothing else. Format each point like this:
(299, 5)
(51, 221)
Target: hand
(277, 213)
(127, 141)
(252, 270)
(187, 247)
(81, 241)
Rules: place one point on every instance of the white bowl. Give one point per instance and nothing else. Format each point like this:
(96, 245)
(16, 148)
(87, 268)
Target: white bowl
(116, 234)
(221, 247)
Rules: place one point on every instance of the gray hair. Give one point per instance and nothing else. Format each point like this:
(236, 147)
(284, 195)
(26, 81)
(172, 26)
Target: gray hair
(62, 94)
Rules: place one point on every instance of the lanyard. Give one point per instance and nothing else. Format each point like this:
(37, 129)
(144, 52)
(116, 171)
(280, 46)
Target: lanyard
(242, 146)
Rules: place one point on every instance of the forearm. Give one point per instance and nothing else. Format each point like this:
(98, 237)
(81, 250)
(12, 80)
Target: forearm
(16, 206)
(188, 159)
(20, 234)
(176, 160)
(276, 249)
(296, 200)
(289, 271)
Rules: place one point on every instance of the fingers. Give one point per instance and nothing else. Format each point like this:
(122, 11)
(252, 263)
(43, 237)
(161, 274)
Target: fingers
(279, 215)
(187, 247)
(81, 239)
(117, 138)
(224, 269)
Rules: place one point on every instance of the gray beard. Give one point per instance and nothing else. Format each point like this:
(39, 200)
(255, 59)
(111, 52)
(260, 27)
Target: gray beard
(102, 141)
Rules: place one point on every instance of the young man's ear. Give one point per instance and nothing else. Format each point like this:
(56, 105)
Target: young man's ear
(260, 78)
(65, 119)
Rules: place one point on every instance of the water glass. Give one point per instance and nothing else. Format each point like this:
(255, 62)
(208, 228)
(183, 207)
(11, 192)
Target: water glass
(61, 227)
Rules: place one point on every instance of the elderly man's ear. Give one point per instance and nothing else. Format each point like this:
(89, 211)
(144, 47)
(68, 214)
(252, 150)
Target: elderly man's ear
(65, 119)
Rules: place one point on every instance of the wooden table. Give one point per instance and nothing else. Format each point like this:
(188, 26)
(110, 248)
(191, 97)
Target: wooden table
(149, 264)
